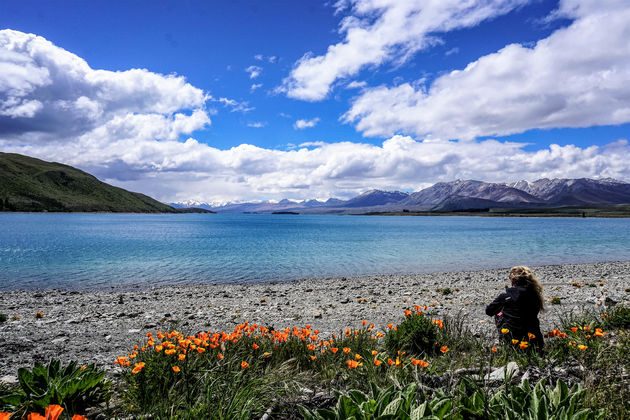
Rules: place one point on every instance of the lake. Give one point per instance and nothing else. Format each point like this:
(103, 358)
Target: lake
(81, 251)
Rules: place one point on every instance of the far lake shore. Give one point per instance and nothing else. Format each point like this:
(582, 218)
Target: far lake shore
(98, 326)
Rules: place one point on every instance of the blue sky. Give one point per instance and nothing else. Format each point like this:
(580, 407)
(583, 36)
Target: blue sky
(249, 100)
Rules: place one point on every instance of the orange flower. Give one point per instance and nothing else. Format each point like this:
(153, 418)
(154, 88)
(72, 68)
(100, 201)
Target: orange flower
(357, 356)
(137, 367)
(5, 416)
(364, 322)
(220, 356)
(574, 329)
(504, 331)
(444, 349)
(599, 333)
(514, 341)
(176, 369)
(562, 335)
(390, 325)
(531, 336)
(255, 346)
(311, 347)
(313, 357)
(582, 347)
(181, 356)
(352, 364)
(346, 350)
(267, 354)
(374, 352)
(377, 362)
(421, 363)
(35, 416)
(158, 348)
(494, 349)
(244, 365)
(523, 345)
(334, 350)
(407, 312)
(79, 417)
(168, 352)
(200, 350)
(390, 361)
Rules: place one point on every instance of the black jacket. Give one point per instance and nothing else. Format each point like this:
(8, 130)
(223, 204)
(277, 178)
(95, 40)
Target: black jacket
(519, 307)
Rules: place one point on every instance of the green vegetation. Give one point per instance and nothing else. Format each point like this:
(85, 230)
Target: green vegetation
(469, 400)
(555, 300)
(3, 318)
(422, 368)
(29, 184)
(73, 387)
(415, 335)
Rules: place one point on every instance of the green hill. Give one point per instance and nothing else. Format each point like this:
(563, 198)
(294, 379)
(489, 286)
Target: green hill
(29, 184)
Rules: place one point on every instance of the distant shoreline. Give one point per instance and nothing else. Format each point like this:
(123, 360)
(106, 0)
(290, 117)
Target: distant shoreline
(98, 325)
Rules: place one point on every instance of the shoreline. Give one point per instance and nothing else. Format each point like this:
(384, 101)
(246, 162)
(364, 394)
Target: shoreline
(96, 326)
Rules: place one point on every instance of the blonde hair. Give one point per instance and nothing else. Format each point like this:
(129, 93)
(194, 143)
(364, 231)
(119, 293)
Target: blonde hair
(523, 276)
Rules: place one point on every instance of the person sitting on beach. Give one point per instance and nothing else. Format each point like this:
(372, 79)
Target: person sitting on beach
(516, 310)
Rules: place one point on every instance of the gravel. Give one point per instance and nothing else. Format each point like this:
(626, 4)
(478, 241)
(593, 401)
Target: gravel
(97, 326)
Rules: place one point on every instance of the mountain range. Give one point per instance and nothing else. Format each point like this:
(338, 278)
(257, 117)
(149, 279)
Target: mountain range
(457, 195)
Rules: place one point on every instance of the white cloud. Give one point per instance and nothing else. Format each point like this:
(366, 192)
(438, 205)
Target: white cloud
(379, 31)
(454, 50)
(577, 77)
(255, 86)
(107, 127)
(257, 124)
(254, 71)
(47, 92)
(235, 105)
(356, 85)
(302, 124)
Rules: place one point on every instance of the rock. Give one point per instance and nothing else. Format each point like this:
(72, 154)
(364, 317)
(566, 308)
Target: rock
(9, 379)
(133, 331)
(346, 300)
(611, 300)
(317, 315)
(510, 370)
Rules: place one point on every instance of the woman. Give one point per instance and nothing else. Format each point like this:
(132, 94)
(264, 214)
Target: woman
(517, 309)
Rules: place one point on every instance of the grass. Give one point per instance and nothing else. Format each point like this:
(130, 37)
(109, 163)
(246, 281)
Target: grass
(258, 370)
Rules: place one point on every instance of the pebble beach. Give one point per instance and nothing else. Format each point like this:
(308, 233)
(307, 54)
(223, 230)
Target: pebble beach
(96, 326)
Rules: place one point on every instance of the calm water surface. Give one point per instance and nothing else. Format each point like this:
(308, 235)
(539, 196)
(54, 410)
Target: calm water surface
(102, 250)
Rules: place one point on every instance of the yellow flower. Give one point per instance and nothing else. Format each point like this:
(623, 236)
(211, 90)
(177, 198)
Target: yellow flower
(531, 336)
(523, 345)
(582, 347)
(504, 331)
(181, 356)
(357, 356)
(514, 341)
(374, 352)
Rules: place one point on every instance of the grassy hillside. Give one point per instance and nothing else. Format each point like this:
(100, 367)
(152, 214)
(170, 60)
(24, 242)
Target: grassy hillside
(29, 184)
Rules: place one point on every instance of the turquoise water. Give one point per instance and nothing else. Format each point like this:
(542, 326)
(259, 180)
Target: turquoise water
(102, 250)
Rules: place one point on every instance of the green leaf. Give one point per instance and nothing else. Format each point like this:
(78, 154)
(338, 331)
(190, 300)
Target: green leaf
(392, 407)
(418, 412)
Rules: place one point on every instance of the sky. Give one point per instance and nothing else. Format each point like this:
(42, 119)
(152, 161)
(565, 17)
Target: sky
(229, 101)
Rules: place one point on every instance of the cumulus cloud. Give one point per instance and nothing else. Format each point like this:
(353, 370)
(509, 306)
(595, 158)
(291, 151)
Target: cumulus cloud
(577, 77)
(111, 130)
(302, 124)
(47, 92)
(378, 31)
(254, 71)
(257, 124)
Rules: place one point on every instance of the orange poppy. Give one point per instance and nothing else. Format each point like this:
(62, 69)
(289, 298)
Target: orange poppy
(346, 350)
(244, 365)
(377, 362)
(176, 369)
(255, 346)
(334, 350)
(444, 349)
